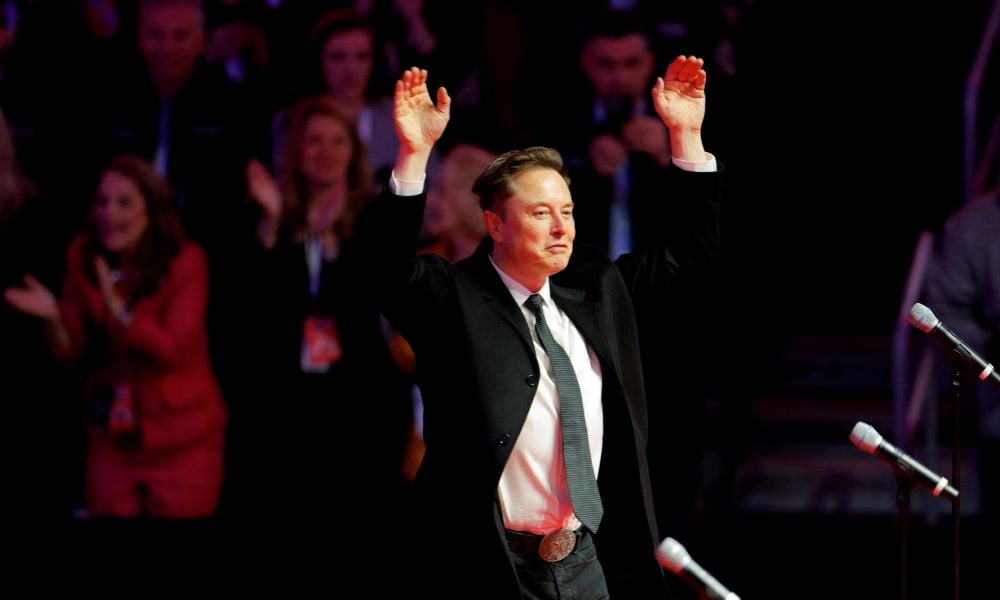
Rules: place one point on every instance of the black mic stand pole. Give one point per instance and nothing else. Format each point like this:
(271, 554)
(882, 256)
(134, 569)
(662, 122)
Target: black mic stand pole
(956, 468)
(904, 485)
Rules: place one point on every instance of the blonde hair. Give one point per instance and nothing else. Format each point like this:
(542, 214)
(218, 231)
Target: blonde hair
(293, 185)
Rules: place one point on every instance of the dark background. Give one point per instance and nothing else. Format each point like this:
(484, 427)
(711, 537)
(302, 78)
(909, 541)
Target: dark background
(849, 138)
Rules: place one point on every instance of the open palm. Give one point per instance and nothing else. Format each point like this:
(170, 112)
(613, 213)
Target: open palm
(419, 123)
(34, 299)
(679, 96)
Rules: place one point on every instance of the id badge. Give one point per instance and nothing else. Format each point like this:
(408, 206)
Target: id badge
(123, 422)
(320, 344)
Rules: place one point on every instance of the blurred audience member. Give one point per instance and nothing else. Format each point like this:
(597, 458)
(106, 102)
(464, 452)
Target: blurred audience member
(132, 316)
(343, 46)
(616, 148)
(963, 290)
(335, 409)
(453, 223)
(183, 115)
(237, 41)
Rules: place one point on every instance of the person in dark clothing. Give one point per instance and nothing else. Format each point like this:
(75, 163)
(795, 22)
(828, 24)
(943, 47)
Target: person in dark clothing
(504, 508)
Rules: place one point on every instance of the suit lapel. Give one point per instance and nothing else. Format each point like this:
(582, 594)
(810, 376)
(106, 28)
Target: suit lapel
(586, 316)
(495, 293)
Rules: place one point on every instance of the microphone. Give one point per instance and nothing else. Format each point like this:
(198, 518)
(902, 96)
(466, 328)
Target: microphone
(867, 439)
(923, 319)
(673, 557)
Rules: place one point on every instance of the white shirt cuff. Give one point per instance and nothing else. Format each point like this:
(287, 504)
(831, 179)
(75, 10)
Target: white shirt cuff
(708, 166)
(406, 187)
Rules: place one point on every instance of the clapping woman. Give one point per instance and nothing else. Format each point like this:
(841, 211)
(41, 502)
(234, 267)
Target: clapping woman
(131, 315)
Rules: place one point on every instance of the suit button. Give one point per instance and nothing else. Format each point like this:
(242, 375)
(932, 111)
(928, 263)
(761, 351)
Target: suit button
(531, 380)
(503, 439)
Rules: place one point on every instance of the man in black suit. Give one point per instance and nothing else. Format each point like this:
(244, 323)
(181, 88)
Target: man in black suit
(494, 517)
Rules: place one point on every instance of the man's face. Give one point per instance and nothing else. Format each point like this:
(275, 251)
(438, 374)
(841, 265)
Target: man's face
(171, 39)
(533, 238)
(618, 67)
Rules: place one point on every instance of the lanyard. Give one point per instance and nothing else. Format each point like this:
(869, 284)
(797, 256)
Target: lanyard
(314, 262)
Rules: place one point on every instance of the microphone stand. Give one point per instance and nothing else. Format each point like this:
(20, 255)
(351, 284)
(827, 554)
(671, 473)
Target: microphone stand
(956, 469)
(904, 485)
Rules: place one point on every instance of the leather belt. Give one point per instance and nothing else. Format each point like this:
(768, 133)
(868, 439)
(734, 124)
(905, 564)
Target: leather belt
(551, 547)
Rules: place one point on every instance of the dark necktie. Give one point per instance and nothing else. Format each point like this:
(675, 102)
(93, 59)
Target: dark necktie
(583, 490)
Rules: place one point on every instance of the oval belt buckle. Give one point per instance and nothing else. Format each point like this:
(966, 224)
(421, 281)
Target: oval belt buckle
(556, 545)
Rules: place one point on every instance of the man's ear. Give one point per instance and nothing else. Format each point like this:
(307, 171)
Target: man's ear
(494, 225)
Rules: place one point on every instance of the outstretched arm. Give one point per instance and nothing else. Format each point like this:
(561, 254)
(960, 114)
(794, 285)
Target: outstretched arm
(35, 299)
(679, 98)
(419, 123)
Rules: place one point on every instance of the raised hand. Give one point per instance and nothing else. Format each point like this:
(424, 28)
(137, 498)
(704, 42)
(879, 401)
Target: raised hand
(419, 123)
(263, 189)
(679, 96)
(105, 280)
(34, 299)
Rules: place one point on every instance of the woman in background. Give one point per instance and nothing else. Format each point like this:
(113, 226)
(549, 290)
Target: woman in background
(132, 317)
(336, 408)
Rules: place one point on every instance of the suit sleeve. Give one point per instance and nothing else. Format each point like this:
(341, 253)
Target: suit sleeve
(688, 239)
(406, 287)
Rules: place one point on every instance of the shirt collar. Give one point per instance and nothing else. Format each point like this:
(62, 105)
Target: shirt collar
(518, 291)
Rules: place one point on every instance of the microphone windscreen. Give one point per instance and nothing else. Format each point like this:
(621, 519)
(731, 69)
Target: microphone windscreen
(865, 437)
(922, 318)
(672, 555)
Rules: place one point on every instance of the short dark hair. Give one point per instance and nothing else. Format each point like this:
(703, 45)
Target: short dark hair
(335, 22)
(615, 25)
(493, 186)
(198, 4)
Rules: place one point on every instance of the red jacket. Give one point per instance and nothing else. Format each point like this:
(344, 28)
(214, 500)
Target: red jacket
(162, 353)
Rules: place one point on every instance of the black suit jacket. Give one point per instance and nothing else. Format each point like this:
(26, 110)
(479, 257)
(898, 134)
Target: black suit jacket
(477, 370)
